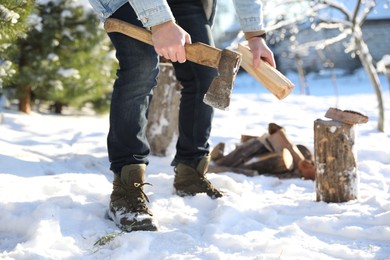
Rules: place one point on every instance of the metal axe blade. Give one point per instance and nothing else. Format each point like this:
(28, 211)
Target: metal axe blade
(225, 61)
(219, 93)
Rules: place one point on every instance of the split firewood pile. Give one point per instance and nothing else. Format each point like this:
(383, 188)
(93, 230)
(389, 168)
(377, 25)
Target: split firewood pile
(272, 154)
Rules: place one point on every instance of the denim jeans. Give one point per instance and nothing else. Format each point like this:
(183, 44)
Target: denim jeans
(133, 91)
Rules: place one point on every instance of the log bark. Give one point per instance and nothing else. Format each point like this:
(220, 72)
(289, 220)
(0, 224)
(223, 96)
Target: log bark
(346, 116)
(272, 163)
(305, 152)
(162, 128)
(245, 138)
(263, 138)
(242, 153)
(273, 128)
(220, 169)
(335, 161)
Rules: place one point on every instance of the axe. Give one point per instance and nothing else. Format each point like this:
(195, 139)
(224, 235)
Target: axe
(227, 62)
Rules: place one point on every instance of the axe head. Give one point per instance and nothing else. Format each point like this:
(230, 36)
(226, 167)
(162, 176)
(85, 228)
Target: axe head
(219, 93)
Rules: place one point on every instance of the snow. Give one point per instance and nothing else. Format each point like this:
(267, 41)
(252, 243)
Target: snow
(383, 63)
(67, 73)
(8, 15)
(55, 186)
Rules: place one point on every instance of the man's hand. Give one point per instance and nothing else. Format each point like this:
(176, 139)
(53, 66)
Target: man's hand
(260, 50)
(169, 40)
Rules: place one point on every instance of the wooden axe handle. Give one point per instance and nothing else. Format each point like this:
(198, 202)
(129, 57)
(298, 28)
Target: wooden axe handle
(199, 53)
(268, 76)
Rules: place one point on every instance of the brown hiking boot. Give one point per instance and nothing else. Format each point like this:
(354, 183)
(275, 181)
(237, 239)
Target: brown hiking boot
(128, 201)
(189, 181)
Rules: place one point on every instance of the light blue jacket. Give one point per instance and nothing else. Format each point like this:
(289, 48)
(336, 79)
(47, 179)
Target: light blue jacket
(153, 12)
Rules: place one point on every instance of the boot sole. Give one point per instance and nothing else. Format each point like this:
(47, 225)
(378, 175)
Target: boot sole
(144, 225)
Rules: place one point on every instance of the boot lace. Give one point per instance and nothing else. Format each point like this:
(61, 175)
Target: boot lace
(136, 198)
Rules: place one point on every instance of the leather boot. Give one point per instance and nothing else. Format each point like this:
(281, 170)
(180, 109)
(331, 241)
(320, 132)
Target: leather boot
(192, 180)
(128, 201)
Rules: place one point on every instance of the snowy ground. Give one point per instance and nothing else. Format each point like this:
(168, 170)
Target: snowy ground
(55, 187)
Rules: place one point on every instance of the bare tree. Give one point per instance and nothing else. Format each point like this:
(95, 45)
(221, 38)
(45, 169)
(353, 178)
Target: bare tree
(285, 18)
(352, 26)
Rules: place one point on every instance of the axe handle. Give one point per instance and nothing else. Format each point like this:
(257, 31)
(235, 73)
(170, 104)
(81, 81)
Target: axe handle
(199, 53)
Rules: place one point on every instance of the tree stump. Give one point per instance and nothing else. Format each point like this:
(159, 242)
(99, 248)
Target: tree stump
(162, 128)
(335, 156)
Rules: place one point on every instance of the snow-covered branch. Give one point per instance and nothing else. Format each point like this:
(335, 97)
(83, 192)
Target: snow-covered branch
(321, 44)
(337, 5)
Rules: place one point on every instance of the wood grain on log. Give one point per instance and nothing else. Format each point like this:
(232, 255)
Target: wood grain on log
(273, 163)
(346, 116)
(279, 140)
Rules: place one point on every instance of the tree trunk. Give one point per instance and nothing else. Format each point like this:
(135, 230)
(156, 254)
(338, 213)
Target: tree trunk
(387, 72)
(366, 60)
(162, 129)
(25, 100)
(304, 90)
(335, 161)
(57, 108)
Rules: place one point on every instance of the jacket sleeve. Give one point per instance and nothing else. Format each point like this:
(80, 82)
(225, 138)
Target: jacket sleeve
(152, 12)
(250, 16)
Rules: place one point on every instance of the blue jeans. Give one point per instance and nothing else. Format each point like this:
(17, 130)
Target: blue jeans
(133, 91)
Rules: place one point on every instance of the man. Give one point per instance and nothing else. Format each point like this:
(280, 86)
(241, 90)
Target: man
(173, 24)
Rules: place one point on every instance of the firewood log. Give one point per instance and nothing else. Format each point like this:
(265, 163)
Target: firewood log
(272, 128)
(346, 116)
(268, 76)
(242, 153)
(220, 169)
(273, 163)
(307, 169)
(279, 140)
(305, 152)
(217, 152)
(245, 138)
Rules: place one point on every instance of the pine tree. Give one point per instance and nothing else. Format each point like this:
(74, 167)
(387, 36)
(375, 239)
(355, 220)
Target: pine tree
(64, 58)
(13, 14)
